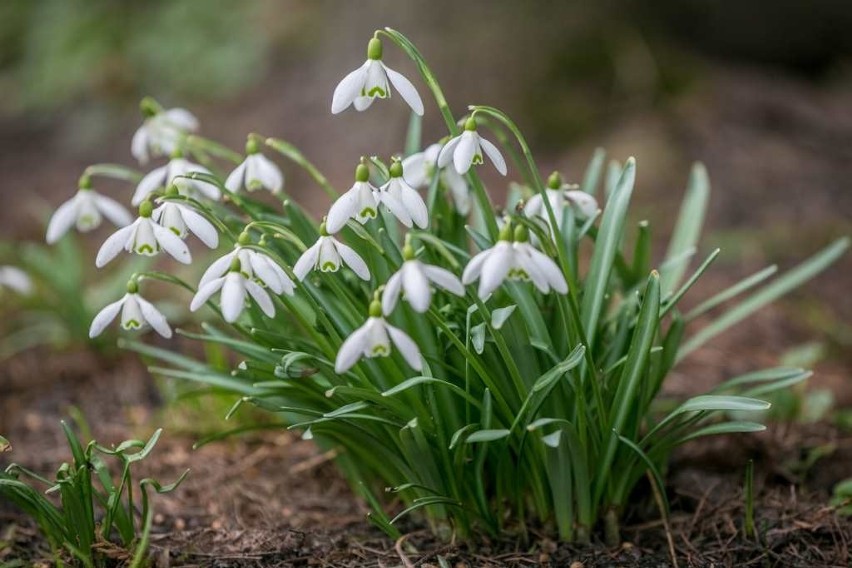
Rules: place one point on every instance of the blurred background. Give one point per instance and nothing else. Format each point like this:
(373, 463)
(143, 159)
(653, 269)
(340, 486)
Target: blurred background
(761, 93)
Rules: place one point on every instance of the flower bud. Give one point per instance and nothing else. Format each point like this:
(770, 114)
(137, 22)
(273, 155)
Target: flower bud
(362, 173)
(374, 49)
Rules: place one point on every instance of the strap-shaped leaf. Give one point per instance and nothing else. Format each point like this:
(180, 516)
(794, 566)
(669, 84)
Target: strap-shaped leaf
(688, 228)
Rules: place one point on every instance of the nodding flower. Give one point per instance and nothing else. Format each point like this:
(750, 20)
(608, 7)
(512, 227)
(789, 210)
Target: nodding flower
(466, 150)
(136, 314)
(174, 173)
(328, 255)
(255, 172)
(161, 132)
(144, 236)
(236, 288)
(414, 280)
(85, 210)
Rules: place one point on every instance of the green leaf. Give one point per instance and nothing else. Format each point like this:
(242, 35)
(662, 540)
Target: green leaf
(487, 436)
(688, 227)
(548, 379)
(592, 176)
(712, 402)
(736, 427)
(735, 290)
(500, 315)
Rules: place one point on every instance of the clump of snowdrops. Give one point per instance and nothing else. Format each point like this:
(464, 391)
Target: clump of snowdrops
(455, 353)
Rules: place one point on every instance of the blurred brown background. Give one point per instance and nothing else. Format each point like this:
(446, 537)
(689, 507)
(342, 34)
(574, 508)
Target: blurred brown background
(761, 92)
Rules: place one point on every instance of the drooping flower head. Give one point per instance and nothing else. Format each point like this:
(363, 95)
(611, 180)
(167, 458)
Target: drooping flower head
(358, 203)
(373, 339)
(236, 288)
(16, 279)
(414, 280)
(255, 172)
(421, 168)
(161, 131)
(145, 237)
(182, 219)
(466, 150)
(174, 173)
(403, 200)
(255, 265)
(561, 196)
(136, 314)
(328, 255)
(85, 210)
(372, 81)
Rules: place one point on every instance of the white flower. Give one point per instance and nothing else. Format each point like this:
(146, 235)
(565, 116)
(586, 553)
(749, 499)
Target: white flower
(85, 210)
(161, 132)
(419, 170)
(518, 261)
(370, 81)
(182, 219)
(172, 173)
(144, 237)
(373, 339)
(403, 200)
(255, 172)
(254, 265)
(414, 278)
(327, 255)
(136, 314)
(466, 149)
(16, 279)
(584, 205)
(236, 289)
(358, 203)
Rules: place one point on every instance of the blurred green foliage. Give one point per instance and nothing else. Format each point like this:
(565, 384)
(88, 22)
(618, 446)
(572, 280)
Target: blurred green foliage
(58, 51)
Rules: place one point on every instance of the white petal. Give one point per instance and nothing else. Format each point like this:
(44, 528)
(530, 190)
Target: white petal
(270, 273)
(494, 154)
(16, 279)
(362, 103)
(390, 295)
(415, 206)
(444, 279)
(114, 244)
(349, 88)
(154, 179)
(416, 286)
(550, 270)
(474, 267)
(155, 319)
(233, 297)
(261, 297)
(181, 118)
(113, 210)
(533, 207)
(341, 211)
(219, 267)
(405, 89)
(495, 268)
(351, 350)
(395, 206)
(414, 170)
(200, 227)
(269, 174)
(205, 292)
(409, 350)
(585, 204)
(463, 156)
(171, 243)
(62, 220)
(104, 317)
(445, 156)
(329, 259)
(307, 261)
(458, 188)
(353, 261)
(236, 178)
(139, 145)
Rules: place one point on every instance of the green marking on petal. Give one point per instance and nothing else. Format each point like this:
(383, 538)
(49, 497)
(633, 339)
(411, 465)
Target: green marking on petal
(131, 324)
(477, 159)
(254, 185)
(175, 231)
(380, 351)
(377, 92)
(329, 267)
(518, 274)
(147, 250)
(368, 212)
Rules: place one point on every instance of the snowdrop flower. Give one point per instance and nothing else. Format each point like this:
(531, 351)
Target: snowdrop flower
(373, 339)
(254, 265)
(256, 172)
(358, 203)
(421, 168)
(144, 237)
(466, 149)
(518, 261)
(85, 210)
(402, 199)
(414, 279)
(172, 173)
(370, 81)
(236, 289)
(328, 255)
(16, 279)
(161, 132)
(181, 219)
(584, 205)
(136, 314)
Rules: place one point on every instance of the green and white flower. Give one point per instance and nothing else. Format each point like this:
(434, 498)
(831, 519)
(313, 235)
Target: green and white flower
(236, 289)
(254, 265)
(15, 279)
(161, 132)
(560, 196)
(136, 314)
(255, 172)
(328, 255)
(173, 173)
(414, 279)
(372, 81)
(373, 339)
(144, 237)
(359, 203)
(85, 210)
(466, 150)
(182, 219)
(421, 168)
(403, 200)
